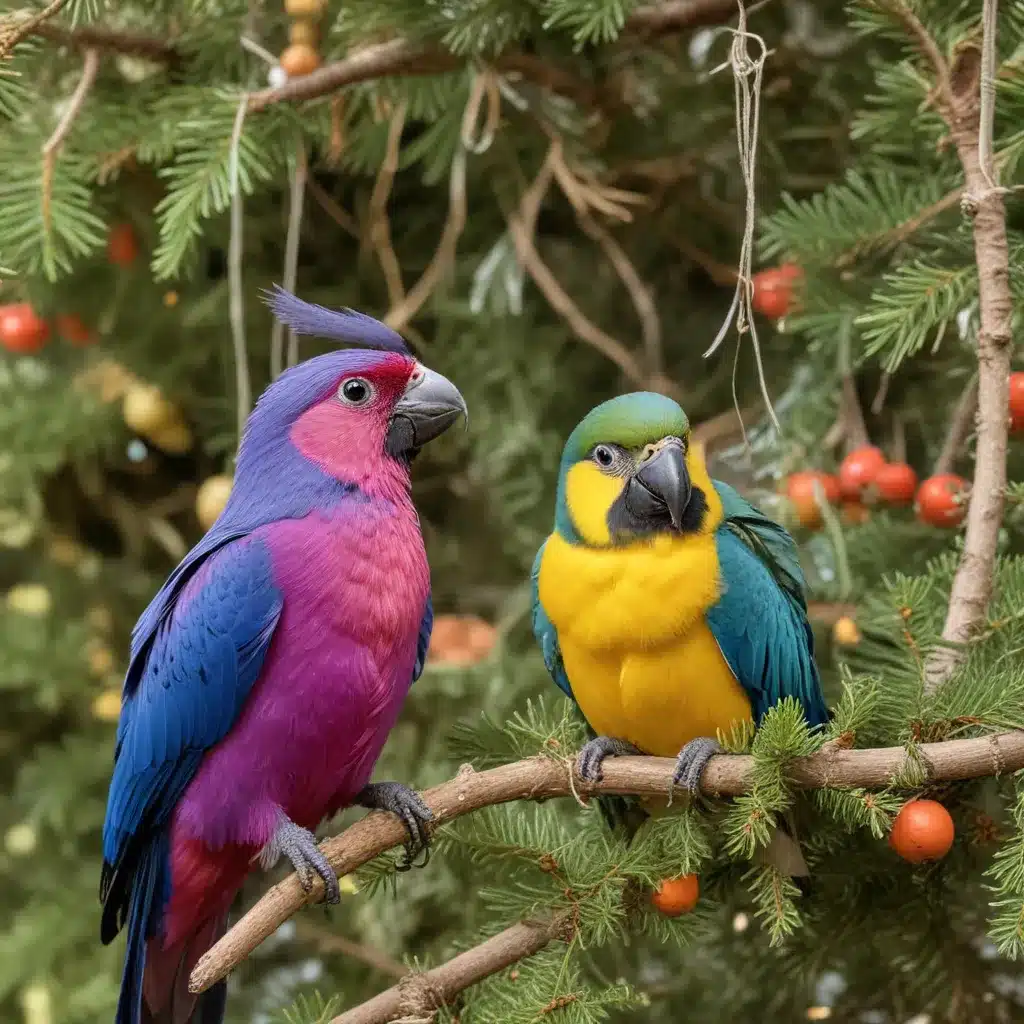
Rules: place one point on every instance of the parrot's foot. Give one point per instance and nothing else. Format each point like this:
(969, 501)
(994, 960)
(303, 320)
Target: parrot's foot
(407, 804)
(691, 762)
(588, 764)
(298, 844)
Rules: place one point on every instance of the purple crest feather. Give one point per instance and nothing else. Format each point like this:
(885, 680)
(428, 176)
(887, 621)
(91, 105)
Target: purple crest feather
(339, 324)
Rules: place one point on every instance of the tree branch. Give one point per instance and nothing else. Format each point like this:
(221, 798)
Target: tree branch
(959, 90)
(11, 36)
(540, 778)
(418, 995)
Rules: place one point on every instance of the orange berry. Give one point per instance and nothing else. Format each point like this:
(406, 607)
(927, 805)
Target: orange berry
(1016, 402)
(923, 830)
(773, 289)
(21, 329)
(858, 471)
(896, 483)
(72, 330)
(122, 248)
(677, 896)
(942, 500)
(299, 59)
(802, 488)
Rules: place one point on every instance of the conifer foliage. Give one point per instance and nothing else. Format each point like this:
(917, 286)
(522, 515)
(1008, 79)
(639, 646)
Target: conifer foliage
(546, 197)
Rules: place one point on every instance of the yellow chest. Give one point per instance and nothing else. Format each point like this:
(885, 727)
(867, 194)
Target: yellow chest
(641, 660)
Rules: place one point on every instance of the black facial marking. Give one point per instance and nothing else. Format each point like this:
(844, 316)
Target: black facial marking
(624, 525)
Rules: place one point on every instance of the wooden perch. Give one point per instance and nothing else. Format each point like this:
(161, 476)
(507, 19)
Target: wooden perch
(542, 778)
(417, 996)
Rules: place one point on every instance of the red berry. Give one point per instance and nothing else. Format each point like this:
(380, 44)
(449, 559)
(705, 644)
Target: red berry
(773, 290)
(21, 330)
(942, 500)
(896, 483)
(122, 249)
(858, 470)
(923, 830)
(1016, 402)
(802, 488)
(676, 896)
(71, 329)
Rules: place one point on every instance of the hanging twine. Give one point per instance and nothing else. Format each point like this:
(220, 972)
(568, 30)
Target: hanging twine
(236, 300)
(747, 73)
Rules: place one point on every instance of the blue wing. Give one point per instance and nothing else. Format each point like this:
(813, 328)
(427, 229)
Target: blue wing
(761, 627)
(545, 632)
(423, 640)
(186, 684)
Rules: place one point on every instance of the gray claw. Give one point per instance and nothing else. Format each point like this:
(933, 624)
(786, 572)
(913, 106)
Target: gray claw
(414, 813)
(299, 846)
(690, 764)
(588, 763)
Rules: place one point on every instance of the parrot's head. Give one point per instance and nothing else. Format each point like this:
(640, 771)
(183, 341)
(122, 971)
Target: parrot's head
(629, 471)
(359, 414)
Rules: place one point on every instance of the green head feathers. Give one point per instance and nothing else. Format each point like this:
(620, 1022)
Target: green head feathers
(631, 421)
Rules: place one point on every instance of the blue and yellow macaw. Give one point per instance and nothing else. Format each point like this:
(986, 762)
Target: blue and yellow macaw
(666, 605)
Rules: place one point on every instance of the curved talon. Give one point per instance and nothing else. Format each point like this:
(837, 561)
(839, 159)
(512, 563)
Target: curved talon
(690, 764)
(588, 763)
(299, 845)
(413, 812)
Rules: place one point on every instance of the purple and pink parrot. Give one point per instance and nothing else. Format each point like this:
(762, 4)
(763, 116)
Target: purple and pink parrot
(267, 672)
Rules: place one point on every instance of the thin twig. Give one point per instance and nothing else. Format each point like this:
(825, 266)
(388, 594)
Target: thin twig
(484, 85)
(236, 297)
(541, 778)
(332, 208)
(380, 227)
(113, 40)
(521, 227)
(418, 996)
(327, 942)
(11, 37)
(291, 261)
(959, 428)
(51, 149)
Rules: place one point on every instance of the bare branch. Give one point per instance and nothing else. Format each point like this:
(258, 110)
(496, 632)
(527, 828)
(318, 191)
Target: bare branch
(51, 148)
(520, 226)
(380, 226)
(328, 942)
(418, 995)
(960, 91)
(540, 778)
(12, 35)
(959, 428)
(101, 38)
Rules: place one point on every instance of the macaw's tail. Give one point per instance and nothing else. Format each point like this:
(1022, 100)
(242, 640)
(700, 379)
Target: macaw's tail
(154, 986)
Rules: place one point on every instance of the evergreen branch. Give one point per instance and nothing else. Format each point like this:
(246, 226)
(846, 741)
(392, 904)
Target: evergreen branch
(963, 88)
(417, 996)
(959, 428)
(10, 39)
(915, 28)
(51, 148)
(541, 778)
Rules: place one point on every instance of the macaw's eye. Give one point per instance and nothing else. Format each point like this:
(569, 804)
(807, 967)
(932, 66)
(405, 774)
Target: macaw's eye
(355, 391)
(604, 456)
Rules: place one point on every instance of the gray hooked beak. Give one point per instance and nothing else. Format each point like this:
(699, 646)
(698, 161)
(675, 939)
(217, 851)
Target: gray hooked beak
(430, 405)
(661, 485)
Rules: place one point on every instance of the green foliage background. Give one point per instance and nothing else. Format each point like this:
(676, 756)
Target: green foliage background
(853, 165)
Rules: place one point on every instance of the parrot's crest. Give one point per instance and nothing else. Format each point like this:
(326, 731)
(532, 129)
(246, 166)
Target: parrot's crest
(345, 325)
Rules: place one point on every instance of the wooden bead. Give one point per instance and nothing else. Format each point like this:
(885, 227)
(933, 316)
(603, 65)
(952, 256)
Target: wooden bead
(305, 8)
(303, 33)
(299, 60)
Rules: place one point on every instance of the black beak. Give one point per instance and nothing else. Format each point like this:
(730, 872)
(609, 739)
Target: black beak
(661, 486)
(430, 405)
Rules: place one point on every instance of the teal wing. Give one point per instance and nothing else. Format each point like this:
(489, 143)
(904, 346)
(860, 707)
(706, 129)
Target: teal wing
(545, 632)
(760, 622)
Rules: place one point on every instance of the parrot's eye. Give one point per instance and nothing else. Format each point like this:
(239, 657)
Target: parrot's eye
(604, 456)
(355, 391)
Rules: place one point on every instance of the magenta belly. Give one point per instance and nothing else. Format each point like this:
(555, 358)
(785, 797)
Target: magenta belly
(334, 681)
